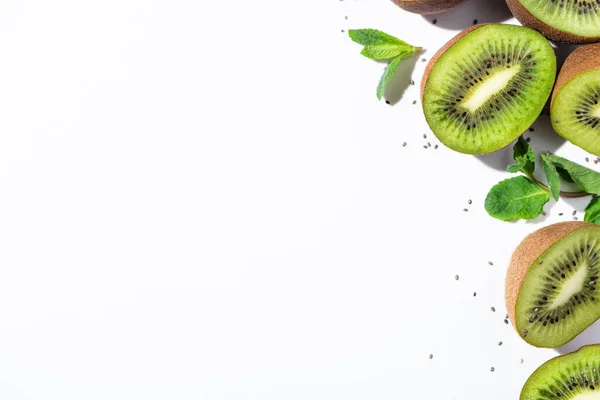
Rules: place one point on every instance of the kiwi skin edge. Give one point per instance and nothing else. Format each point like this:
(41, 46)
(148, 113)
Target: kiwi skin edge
(530, 21)
(426, 7)
(525, 255)
(583, 59)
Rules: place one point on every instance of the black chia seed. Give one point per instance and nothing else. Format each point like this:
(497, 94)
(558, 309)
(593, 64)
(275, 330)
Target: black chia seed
(531, 129)
(423, 59)
(499, 343)
(434, 21)
(528, 139)
(435, 147)
(474, 294)
(457, 277)
(492, 369)
(560, 214)
(425, 147)
(412, 82)
(387, 102)
(465, 210)
(506, 321)
(574, 212)
(474, 22)
(491, 263)
(521, 361)
(424, 136)
(414, 102)
(470, 201)
(493, 309)
(431, 356)
(404, 144)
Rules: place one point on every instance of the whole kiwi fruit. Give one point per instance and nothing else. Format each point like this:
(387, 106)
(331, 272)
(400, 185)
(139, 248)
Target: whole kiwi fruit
(486, 86)
(551, 292)
(575, 108)
(562, 21)
(426, 7)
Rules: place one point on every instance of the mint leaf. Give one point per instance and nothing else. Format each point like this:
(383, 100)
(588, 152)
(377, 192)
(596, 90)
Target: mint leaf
(524, 158)
(368, 37)
(592, 211)
(564, 175)
(587, 179)
(516, 198)
(552, 176)
(387, 51)
(390, 70)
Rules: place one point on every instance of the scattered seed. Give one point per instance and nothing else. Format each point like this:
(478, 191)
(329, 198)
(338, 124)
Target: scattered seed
(521, 361)
(346, 17)
(574, 212)
(343, 31)
(435, 147)
(491, 263)
(587, 159)
(492, 369)
(560, 214)
(470, 201)
(595, 161)
(474, 22)
(423, 59)
(499, 343)
(457, 277)
(474, 294)
(575, 219)
(424, 136)
(493, 309)
(404, 144)
(506, 316)
(425, 147)
(412, 82)
(531, 129)
(525, 331)
(528, 139)
(465, 210)
(428, 144)
(431, 356)
(556, 121)
(414, 102)
(506, 321)
(387, 102)
(541, 261)
(434, 21)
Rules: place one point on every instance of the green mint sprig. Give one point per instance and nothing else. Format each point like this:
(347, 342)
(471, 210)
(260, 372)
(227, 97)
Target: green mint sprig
(380, 46)
(524, 197)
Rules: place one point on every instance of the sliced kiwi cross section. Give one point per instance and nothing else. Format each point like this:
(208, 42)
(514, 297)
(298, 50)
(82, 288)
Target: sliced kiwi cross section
(487, 86)
(553, 291)
(575, 110)
(574, 376)
(564, 21)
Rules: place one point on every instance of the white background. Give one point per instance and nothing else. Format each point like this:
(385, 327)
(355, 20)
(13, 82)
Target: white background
(205, 200)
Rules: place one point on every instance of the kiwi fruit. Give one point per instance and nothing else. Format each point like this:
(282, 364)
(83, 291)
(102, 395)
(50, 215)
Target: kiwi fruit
(562, 21)
(486, 86)
(575, 111)
(425, 7)
(574, 375)
(551, 281)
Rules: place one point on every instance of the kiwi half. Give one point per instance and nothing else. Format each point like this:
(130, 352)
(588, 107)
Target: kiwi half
(551, 292)
(425, 7)
(486, 86)
(575, 375)
(563, 21)
(575, 110)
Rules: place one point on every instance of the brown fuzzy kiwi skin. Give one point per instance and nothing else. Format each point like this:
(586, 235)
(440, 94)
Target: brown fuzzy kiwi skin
(426, 7)
(530, 21)
(583, 59)
(439, 53)
(525, 255)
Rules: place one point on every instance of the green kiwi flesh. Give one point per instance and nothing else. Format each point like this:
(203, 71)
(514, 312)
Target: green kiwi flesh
(558, 298)
(488, 87)
(575, 375)
(568, 17)
(576, 111)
